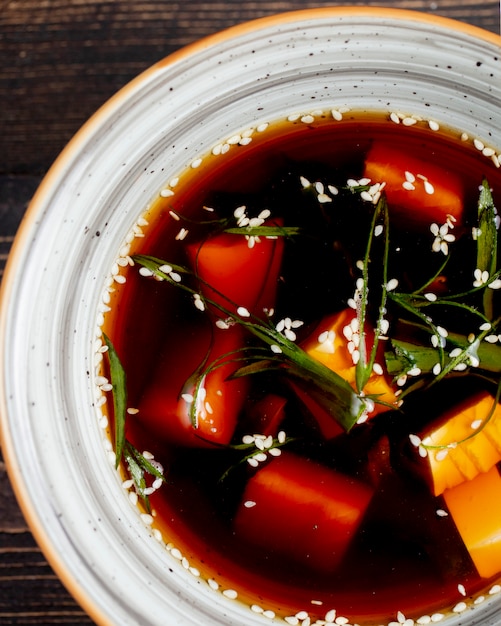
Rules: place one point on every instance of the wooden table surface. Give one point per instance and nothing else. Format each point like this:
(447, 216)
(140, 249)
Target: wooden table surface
(60, 60)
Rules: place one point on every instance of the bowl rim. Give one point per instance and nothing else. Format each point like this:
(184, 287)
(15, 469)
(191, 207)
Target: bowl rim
(56, 172)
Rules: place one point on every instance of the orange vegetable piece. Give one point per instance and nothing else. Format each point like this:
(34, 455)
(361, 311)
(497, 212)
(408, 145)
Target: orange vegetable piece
(472, 455)
(245, 276)
(422, 192)
(302, 510)
(165, 406)
(330, 346)
(475, 507)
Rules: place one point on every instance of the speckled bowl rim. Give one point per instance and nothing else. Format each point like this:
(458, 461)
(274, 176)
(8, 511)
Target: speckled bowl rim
(33, 213)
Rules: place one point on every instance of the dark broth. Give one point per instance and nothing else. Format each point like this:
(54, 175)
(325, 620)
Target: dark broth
(403, 558)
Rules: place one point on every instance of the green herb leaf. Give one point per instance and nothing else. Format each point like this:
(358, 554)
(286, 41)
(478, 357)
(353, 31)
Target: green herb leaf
(264, 231)
(118, 381)
(487, 243)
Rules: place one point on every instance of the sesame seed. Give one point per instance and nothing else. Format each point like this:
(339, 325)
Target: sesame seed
(147, 519)
(415, 440)
(196, 163)
(302, 615)
(269, 614)
(494, 589)
(234, 139)
(323, 198)
(461, 590)
(428, 187)
(213, 584)
(394, 118)
(337, 115)
(460, 607)
(437, 617)
(307, 119)
(431, 297)
(249, 504)
(181, 234)
(424, 619)
(262, 127)
(441, 454)
(259, 444)
(276, 349)
(256, 608)
(442, 513)
(433, 125)
(437, 368)
(478, 144)
(491, 338)
(409, 121)
(330, 616)
(243, 312)
(408, 186)
(292, 620)
(392, 284)
(166, 193)
(230, 593)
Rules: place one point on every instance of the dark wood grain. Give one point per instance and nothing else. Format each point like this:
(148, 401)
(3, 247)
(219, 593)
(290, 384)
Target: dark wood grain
(60, 60)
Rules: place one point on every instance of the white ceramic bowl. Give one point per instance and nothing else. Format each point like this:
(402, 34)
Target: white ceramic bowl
(376, 59)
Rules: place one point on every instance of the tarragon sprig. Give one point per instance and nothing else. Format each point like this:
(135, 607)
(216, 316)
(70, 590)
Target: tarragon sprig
(137, 464)
(473, 351)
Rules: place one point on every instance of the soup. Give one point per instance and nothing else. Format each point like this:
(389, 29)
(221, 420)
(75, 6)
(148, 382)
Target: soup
(303, 349)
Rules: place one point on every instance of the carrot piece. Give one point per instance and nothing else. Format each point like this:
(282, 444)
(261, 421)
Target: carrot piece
(165, 406)
(420, 191)
(330, 346)
(457, 451)
(475, 507)
(302, 510)
(245, 276)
